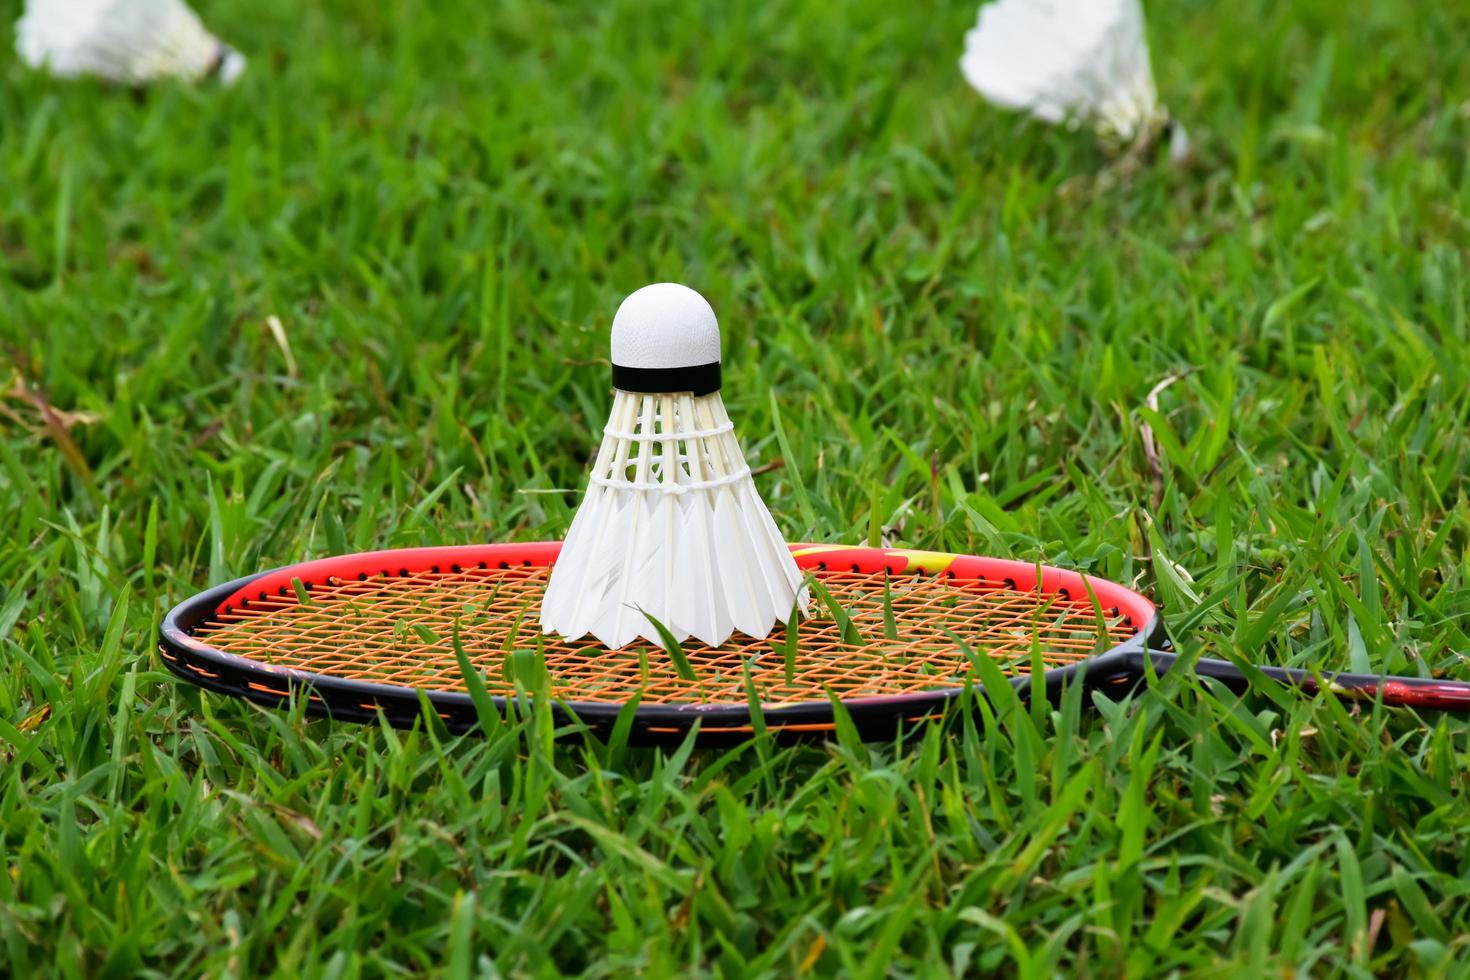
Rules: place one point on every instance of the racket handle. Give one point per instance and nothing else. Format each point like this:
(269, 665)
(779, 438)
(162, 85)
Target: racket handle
(1400, 692)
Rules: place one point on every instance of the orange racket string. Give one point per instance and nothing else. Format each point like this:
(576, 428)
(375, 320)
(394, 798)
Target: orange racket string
(399, 631)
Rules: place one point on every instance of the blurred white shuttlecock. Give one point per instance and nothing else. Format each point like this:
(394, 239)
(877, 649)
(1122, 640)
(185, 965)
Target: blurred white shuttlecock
(671, 524)
(129, 41)
(1078, 62)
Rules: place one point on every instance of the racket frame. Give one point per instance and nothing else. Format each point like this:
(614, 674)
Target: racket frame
(347, 699)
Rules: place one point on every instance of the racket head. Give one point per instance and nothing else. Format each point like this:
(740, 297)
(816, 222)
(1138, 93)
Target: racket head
(364, 636)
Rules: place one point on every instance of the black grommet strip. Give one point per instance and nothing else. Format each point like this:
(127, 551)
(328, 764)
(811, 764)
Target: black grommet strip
(698, 379)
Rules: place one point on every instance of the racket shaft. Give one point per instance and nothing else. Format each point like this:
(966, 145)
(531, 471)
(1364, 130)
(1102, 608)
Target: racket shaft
(1403, 692)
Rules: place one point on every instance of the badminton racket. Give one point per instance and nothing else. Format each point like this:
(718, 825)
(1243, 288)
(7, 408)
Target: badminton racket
(893, 637)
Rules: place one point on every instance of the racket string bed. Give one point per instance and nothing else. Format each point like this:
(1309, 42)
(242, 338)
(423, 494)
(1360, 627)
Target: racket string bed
(398, 629)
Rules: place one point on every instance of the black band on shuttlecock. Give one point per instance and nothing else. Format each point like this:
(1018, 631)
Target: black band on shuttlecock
(701, 379)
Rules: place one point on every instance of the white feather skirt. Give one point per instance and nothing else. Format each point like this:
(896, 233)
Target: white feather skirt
(1072, 61)
(128, 41)
(671, 527)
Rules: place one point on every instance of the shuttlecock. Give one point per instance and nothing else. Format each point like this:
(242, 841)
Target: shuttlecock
(128, 41)
(671, 526)
(1078, 62)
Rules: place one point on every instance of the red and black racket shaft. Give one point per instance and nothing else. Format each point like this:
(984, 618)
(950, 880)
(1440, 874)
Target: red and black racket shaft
(1399, 692)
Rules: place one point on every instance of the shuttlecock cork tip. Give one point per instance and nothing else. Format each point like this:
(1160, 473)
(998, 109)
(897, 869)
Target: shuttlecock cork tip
(231, 65)
(665, 338)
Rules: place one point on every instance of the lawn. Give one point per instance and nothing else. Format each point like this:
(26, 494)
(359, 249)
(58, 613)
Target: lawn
(961, 324)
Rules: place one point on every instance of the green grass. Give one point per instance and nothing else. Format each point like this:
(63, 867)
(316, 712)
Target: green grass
(443, 206)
